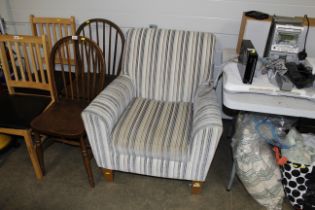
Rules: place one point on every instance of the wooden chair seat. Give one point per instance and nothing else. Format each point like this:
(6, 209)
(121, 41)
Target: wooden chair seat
(17, 111)
(62, 119)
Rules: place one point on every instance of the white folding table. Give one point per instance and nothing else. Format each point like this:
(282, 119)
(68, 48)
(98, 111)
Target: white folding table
(263, 97)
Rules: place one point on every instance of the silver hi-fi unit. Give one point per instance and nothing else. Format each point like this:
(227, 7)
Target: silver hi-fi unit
(285, 38)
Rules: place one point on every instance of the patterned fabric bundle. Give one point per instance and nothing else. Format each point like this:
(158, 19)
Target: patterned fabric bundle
(160, 117)
(255, 164)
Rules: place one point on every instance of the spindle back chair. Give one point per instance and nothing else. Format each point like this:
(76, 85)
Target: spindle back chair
(110, 39)
(79, 84)
(23, 60)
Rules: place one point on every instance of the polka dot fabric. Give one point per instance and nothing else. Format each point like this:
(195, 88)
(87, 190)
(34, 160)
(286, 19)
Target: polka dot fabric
(295, 178)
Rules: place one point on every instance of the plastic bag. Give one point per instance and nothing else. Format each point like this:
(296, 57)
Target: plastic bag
(255, 163)
(273, 129)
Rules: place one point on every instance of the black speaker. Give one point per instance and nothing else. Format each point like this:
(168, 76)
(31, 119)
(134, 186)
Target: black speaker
(247, 61)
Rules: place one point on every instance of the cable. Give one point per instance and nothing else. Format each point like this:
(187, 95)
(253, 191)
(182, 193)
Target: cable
(220, 73)
(308, 28)
(302, 55)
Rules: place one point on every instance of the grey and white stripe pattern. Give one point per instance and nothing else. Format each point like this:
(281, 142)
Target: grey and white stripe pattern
(103, 113)
(154, 129)
(165, 80)
(168, 65)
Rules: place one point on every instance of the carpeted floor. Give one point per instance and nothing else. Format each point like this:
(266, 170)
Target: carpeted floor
(65, 185)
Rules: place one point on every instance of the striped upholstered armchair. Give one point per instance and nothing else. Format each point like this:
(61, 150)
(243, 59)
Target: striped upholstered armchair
(160, 117)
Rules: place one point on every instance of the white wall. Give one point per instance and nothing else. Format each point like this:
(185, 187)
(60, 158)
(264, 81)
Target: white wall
(221, 17)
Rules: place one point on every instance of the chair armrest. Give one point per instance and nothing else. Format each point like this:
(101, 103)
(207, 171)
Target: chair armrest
(102, 114)
(206, 130)
(206, 109)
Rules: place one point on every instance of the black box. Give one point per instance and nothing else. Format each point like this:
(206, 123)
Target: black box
(247, 61)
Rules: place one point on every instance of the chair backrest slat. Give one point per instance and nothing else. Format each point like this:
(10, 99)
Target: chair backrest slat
(49, 35)
(27, 64)
(16, 76)
(110, 50)
(97, 37)
(115, 49)
(22, 71)
(41, 69)
(30, 45)
(55, 38)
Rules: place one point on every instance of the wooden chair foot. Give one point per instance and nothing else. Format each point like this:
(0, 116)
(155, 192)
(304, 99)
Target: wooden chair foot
(87, 161)
(32, 153)
(39, 151)
(196, 187)
(108, 174)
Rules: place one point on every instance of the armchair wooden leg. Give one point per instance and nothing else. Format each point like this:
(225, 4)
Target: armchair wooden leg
(32, 153)
(39, 151)
(108, 174)
(86, 161)
(196, 187)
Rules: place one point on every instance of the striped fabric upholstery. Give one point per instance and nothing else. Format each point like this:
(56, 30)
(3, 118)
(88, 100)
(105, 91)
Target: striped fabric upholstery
(154, 129)
(160, 117)
(103, 113)
(168, 65)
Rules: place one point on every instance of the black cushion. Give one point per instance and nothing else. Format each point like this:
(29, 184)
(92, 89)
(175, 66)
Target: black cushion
(17, 111)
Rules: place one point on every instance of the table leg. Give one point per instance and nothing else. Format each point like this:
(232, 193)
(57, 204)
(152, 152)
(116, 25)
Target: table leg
(232, 177)
(233, 169)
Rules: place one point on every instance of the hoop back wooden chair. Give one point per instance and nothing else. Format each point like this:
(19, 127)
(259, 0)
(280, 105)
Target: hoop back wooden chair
(54, 28)
(21, 58)
(110, 39)
(79, 85)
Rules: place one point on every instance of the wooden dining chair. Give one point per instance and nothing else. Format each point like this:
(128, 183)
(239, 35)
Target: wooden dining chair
(80, 83)
(22, 59)
(110, 39)
(54, 28)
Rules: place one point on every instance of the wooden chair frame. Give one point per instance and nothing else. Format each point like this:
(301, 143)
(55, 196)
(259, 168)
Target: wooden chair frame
(76, 89)
(24, 81)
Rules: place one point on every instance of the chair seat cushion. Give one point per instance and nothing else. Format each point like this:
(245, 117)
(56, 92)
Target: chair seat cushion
(62, 119)
(17, 111)
(154, 129)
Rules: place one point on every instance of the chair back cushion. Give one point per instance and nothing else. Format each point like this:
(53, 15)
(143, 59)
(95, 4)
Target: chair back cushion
(168, 65)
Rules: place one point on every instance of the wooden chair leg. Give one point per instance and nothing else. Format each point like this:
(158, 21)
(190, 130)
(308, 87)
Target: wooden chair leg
(32, 153)
(196, 187)
(39, 151)
(108, 174)
(86, 161)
